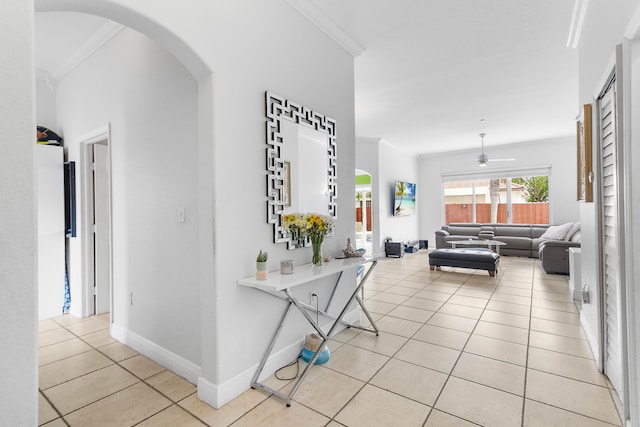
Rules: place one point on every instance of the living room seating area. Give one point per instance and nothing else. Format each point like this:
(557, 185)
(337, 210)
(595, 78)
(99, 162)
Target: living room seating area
(549, 243)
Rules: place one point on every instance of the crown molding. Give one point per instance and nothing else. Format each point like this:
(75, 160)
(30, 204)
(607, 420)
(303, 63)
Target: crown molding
(105, 33)
(43, 75)
(322, 21)
(577, 22)
(633, 27)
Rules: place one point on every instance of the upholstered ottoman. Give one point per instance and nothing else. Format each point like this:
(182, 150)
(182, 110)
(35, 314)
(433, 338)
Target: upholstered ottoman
(478, 258)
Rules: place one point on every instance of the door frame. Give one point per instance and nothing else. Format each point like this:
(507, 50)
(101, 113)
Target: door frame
(617, 68)
(630, 51)
(86, 143)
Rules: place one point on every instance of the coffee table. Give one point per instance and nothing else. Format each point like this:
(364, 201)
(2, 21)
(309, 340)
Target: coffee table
(494, 245)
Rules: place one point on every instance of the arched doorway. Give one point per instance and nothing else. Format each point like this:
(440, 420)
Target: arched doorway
(202, 168)
(364, 215)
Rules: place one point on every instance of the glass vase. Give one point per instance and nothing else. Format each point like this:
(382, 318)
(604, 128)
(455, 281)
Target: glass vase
(316, 244)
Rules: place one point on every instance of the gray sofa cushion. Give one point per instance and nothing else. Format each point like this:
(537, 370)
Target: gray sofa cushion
(463, 231)
(538, 230)
(535, 245)
(513, 230)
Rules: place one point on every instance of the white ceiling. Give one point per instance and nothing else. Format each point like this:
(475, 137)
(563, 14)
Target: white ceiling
(430, 70)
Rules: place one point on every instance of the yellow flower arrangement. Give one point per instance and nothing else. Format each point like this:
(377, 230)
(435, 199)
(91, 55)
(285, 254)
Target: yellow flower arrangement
(312, 225)
(318, 226)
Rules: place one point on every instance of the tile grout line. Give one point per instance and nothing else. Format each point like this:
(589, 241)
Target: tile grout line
(460, 355)
(526, 363)
(365, 383)
(461, 350)
(118, 363)
(60, 416)
(532, 292)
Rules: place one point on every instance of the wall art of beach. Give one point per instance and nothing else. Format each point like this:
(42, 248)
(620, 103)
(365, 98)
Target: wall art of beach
(404, 198)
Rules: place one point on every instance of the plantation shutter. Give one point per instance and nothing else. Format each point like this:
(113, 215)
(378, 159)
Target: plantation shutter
(610, 239)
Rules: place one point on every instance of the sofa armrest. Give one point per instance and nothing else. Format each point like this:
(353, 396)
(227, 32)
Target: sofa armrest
(562, 244)
(441, 241)
(554, 255)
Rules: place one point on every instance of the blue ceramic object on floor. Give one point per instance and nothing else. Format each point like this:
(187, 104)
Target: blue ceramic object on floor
(323, 357)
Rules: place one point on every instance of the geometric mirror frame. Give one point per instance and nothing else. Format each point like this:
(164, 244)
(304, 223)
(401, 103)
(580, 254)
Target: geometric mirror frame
(280, 109)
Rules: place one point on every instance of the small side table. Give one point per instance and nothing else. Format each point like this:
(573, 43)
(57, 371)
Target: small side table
(394, 249)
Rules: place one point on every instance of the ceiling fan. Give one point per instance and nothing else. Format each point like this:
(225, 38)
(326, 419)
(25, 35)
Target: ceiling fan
(483, 159)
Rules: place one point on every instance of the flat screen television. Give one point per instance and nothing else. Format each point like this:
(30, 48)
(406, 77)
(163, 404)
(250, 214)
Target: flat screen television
(404, 198)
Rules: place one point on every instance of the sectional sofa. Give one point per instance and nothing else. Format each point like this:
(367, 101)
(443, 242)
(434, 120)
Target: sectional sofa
(547, 242)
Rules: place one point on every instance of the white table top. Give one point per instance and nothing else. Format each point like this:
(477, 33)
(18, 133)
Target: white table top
(277, 281)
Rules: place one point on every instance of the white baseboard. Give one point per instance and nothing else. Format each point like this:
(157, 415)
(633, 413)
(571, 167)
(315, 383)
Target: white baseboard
(351, 317)
(217, 395)
(176, 364)
(591, 338)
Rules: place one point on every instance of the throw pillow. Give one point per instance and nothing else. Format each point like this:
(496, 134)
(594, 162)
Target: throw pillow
(557, 232)
(575, 227)
(576, 237)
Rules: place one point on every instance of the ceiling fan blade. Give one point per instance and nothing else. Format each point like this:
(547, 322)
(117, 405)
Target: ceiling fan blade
(483, 158)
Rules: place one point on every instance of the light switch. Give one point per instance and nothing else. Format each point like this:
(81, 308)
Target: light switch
(181, 214)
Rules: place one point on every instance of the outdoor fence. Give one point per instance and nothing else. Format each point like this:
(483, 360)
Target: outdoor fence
(522, 213)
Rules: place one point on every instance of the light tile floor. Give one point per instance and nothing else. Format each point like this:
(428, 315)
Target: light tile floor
(456, 348)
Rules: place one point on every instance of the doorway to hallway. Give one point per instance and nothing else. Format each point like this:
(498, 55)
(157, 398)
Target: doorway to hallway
(97, 220)
(364, 215)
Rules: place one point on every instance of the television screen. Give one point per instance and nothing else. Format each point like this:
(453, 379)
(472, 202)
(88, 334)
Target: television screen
(404, 198)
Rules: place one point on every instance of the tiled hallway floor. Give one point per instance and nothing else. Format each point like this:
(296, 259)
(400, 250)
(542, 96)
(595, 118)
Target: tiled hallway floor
(457, 348)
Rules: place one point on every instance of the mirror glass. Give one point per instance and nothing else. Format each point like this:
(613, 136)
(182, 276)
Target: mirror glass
(305, 163)
(301, 164)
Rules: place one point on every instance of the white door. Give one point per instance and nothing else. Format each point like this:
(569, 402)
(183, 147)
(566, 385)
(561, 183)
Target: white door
(102, 232)
(611, 267)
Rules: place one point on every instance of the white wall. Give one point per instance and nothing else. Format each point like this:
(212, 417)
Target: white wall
(46, 112)
(250, 48)
(51, 231)
(558, 153)
(386, 164)
(311, 70)
(634, 182)
(18, 278)
(150, 101)
(395, 166)
(604, 28)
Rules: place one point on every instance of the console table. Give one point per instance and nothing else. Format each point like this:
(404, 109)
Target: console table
(280, 285)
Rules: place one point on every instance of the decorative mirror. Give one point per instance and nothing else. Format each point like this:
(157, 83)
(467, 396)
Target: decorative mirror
(301, 164)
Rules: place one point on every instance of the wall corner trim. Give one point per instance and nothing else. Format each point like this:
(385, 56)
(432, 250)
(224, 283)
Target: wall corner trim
(102, 35)
(326, 24)
(633, 27)
(577, 23)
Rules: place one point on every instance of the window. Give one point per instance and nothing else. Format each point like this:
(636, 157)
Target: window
(521, 199)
